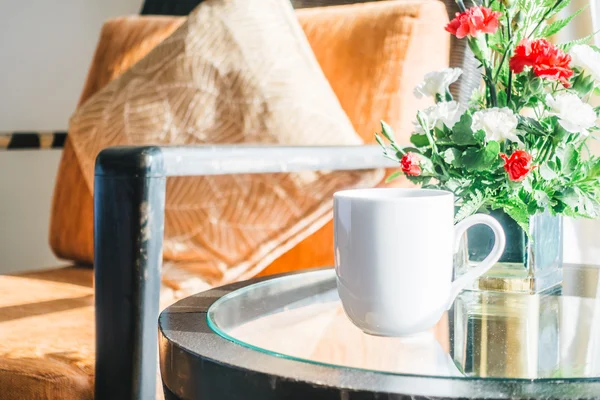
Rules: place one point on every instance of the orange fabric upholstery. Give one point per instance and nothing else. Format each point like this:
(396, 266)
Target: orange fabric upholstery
(47, 335)
(47, 332)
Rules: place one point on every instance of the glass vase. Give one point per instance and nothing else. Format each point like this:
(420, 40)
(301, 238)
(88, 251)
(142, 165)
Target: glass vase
(530, 263)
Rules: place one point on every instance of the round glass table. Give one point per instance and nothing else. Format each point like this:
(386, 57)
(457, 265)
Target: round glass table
(287, 337)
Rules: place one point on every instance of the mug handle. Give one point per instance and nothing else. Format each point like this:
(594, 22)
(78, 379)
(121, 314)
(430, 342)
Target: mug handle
(500, 241)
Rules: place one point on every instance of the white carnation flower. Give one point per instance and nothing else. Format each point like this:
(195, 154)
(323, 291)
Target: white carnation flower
(440, 114)
(437, 82)
(573, 114)
(586, 59)
(498, 124)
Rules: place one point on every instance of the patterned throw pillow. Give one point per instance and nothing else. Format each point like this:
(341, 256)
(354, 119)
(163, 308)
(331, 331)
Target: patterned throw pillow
(236, 72)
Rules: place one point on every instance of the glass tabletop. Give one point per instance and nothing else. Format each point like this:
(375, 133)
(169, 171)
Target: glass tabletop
(553, 335)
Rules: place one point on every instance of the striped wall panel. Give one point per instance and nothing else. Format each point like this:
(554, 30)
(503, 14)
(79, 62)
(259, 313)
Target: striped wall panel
(32, 140)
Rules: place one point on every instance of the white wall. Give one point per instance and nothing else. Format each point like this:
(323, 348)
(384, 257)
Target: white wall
(27, 180)
(46, 47)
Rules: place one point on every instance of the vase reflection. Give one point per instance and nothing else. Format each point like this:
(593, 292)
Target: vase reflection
(550, 335)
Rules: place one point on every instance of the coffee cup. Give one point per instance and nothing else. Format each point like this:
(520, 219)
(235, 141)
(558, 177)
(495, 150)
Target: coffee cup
(394, 252)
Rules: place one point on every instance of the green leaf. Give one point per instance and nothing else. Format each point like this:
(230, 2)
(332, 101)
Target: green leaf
(570, 197)
(412, 150)
(462, 134)
(455, 184)
(470, 206)
(547, 172)
(558, 7)
(502, 98)
(541, 198)
(519, 213)
(584, 40)
(583, 84)
(536, 85)
(532, 208)
(595, 168)
(439, 133)
(556, 26)
(523, 196)
(448, 95)
(419, 180)
(590, 207)
(531, 125)
(481, 159)
(527, 186)
(479, 136)
(559, 208)
(452, 156)
(393, 176)
(570, 159)
(419, 140)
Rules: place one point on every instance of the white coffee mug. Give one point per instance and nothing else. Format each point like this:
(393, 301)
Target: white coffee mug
(394, 251)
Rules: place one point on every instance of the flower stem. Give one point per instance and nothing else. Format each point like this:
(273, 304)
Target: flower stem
(545, 17)
(431, 141)
(397, 148)
(435, 152)
(510, 74)
(545, 150)
(491, 86)
(502, 61)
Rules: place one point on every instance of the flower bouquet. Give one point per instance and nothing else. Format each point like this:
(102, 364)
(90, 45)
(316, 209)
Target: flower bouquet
(520, 147)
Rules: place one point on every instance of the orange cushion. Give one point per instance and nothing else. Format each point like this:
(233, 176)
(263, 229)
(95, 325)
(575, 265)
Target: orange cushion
(374, 54)
(47, 331)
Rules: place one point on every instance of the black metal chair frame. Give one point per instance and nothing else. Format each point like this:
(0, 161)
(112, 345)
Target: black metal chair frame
(129, 205)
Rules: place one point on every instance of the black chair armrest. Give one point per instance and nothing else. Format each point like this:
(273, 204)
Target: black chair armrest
(129, 202)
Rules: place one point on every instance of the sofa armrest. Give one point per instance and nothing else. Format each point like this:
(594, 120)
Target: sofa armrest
(129, 202)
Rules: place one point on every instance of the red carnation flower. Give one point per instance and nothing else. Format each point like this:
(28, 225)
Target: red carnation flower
(411, 164)
(474, 21)
(518, 165)
(548, 61)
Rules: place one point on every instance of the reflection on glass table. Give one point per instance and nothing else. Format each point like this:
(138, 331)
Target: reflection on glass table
(484, 335)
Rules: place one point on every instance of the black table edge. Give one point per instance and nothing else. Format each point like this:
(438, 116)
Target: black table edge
(197, 363)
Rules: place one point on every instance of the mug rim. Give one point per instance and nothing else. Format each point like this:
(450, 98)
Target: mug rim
(377, 194)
